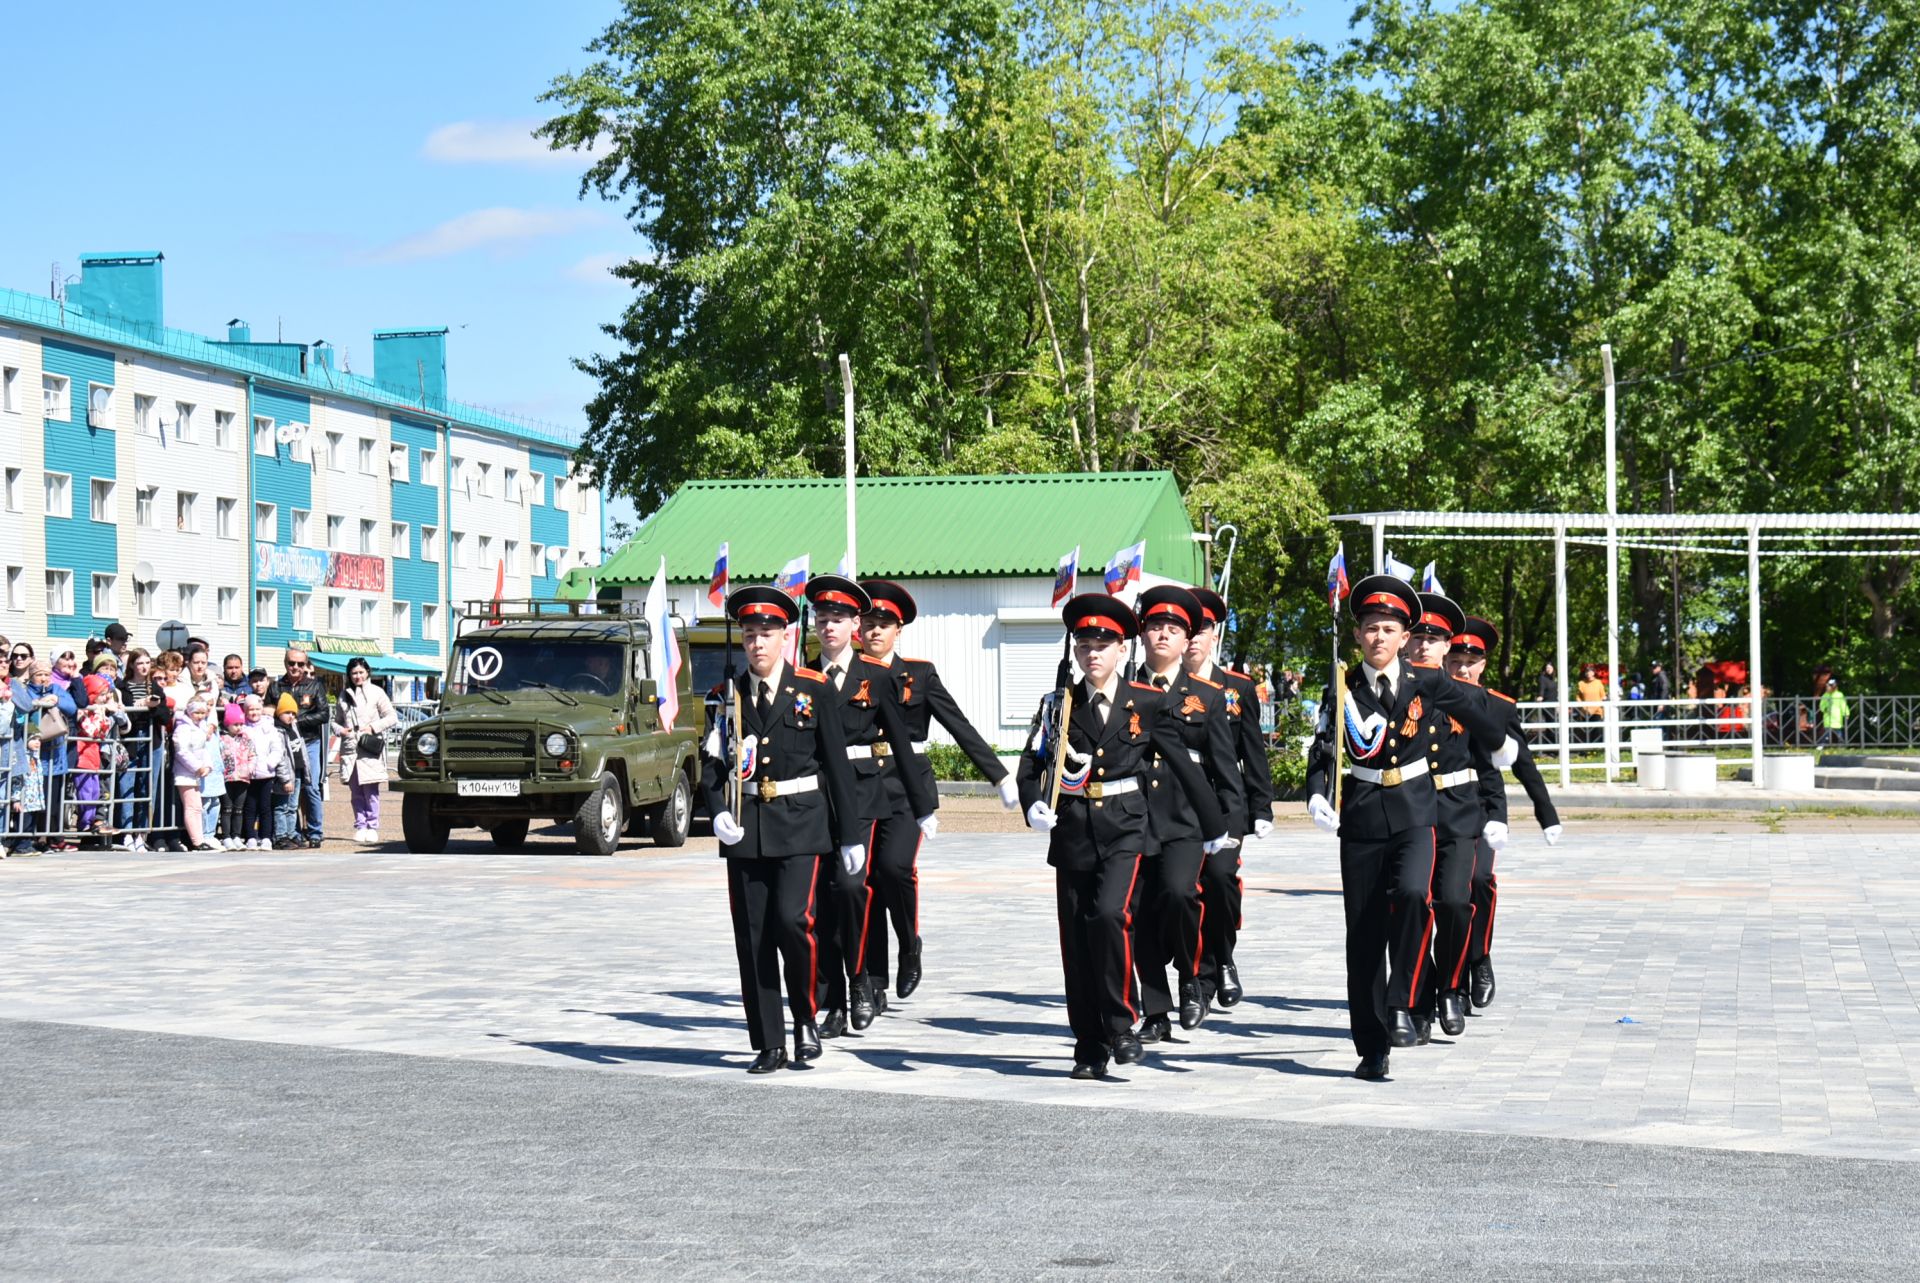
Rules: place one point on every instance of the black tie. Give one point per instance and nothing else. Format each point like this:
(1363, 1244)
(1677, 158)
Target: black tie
(1386, 692)
(765, 703)
(1098, 703)
(833, 675)
(1160, 680)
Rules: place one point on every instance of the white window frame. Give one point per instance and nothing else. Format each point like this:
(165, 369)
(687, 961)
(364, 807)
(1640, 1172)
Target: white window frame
(369, 617)
(303, 612)
(15, 483)
(224, 600)
(510, 553)
(183, 421)
(368, 533)
(429, 543)
(56, 396)
(429, 466)
(266, 607)
(401, 613)
(302, 528)
(106, 596)
(144, 498)
(366, 457)
(429, 621)
(510, 485)
(336, 531)
(57, 487)
(397, 461)
(10, 389)
(189, 599)
(146, 599)
(223, 512)
(146, 417)
(223, 429)
(16, 588)
(335, 444)
(106, 407)
(457, 549)
(536, 559)
(336, 611)
(186, 511)
(59, 584)
(266, 522)
(103, 501)
(400, 539)
(485, 552)
(539, 486)
(263, 443)
(485, 485)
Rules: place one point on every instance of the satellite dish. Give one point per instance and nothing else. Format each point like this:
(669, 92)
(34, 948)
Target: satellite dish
(144, 572)
(172, 635)
(553, 554)
(97, 402)
(299, 431)
(285, 434)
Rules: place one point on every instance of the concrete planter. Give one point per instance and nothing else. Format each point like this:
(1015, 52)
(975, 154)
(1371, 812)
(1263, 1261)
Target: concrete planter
(1692, 773)
(1651, 768)
(1789, 772)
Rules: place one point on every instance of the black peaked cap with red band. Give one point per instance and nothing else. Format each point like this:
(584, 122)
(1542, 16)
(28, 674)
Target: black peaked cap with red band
(762, 601)
(1385, 595)
(1213, 606)
(1439, 617)
(838, 590)
(1476, 636)
(1170, 601)
(1092, 610)
(892, 598)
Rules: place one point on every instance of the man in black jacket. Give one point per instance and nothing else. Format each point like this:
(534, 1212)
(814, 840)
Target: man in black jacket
(310, 693)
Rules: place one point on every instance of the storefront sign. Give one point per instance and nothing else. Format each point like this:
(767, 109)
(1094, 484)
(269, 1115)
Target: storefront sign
(357, 571)
(345, 645)
(287, 564)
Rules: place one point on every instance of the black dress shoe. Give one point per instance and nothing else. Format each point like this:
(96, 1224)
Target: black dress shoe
(1193, 1004)
(806, 1042)
(769, 1060)
(1422, 1029)
(1400, 1030)
(1155, 1028)
(909, 978)
(1230, 993)
(1453, 1013)
(1371, 1068)
(1126, 1048)
(835, 1023)
(879, 1001)
(862, 1003)
(1085, 1069)
(1483, 982)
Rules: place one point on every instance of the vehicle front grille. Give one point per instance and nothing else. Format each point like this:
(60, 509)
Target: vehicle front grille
(478, 754)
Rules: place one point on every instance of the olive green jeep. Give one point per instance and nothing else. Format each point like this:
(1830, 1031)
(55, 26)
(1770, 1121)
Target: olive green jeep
(548, 712)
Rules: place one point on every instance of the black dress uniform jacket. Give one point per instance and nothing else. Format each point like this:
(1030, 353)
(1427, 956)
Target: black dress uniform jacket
(1135, 731)
(1197, 710)
(896, 778)
(1525, 769)
(924, 700)
(800, 735)
(1250, 744)
(1381, 810)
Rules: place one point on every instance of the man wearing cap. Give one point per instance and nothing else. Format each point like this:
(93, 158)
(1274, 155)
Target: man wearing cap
(1467, 661)
(796, 805)
(1220, 889)
(1100, 831)
(1459, 775)
(1169, 914)
(894, 859)
(116, 636)
(1387, 811)
(887, 780)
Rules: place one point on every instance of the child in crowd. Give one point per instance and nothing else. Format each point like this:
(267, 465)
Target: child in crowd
(269, 764)
(192, 762)
(286, 804)
(95, 759)
(236, 759)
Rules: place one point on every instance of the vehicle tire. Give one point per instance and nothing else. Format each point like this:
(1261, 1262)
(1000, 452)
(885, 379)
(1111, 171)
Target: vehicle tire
(509, 835)
(598, 823)
(672, 818)
(426, 834)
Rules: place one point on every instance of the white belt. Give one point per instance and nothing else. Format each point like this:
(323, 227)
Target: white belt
(920, 747)
(861, 752)
(767, 789)
(1452, 778)
(1392, 776)
(1097, 789)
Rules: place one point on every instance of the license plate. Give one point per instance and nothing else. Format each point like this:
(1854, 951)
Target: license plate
(487, 788)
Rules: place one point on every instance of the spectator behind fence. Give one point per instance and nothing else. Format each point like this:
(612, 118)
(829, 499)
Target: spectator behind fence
(1833, 713)
(19, 655)
(271, 770)
(146, 715)
(1659, 685)
(96, 756)
(66, 666)
(1548, 687)
(193, 756)
(310, 693)
(286, 804)
(363, 717)
(48, 761)
(236, 764)
(13, 769)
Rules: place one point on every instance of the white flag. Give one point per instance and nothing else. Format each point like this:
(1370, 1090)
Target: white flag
(1430, 582)
(1399, 569)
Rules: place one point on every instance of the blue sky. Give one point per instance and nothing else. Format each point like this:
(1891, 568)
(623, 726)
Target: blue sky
(325, 171)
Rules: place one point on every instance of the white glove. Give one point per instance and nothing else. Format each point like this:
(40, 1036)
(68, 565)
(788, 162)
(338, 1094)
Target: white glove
(1321, 812)
(1040, 816)
(853, 858)
(727, 829)
(1509, 754)
(1263, 828)
(929, 825)
(1009, 793)
(1225, 842)
(1552, 834)
(1496, 835)
(711, 746)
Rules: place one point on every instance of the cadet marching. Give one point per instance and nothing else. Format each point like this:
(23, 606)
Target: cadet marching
(1146, 768)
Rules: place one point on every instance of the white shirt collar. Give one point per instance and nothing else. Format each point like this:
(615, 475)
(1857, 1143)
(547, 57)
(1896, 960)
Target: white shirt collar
(1391, 672)
(772, 679)
(1111, 688)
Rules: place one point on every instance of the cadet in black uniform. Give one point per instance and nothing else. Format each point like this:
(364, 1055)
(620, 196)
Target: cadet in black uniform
(894, 865)
(1101, 829)
(1169, 914)
(796, 805)
(1467, 660)
(879, 747)
(1386, 815)
(1220, 888)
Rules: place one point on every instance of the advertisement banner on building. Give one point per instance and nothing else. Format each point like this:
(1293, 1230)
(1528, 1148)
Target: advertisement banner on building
(275, 563)
(357, 571)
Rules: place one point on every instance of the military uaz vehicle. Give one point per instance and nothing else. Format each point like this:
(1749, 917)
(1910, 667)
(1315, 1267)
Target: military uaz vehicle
(548, 712)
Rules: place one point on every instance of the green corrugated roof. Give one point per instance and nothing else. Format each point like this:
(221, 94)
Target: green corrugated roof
(915, 527)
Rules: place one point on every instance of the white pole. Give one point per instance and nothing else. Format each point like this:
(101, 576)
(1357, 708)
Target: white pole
(846, 387)
(1560, 647)
(1758, 705)
(1613, 581)
(1379, 546)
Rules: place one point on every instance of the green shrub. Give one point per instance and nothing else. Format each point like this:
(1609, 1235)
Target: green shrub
(949, 763)
(1286, 752)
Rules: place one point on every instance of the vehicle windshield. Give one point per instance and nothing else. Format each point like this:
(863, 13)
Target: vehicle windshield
(506, 664)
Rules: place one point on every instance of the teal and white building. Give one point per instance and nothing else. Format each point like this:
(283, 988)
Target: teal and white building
(258, 491)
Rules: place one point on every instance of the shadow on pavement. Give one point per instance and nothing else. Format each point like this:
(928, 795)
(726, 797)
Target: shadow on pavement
(676, 1024)
(710, 997)
(595, 1053)
(1007, 1066)
(1020, 999)
(973, 1025)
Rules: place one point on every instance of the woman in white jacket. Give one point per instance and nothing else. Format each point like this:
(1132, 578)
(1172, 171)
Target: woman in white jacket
(364, 710)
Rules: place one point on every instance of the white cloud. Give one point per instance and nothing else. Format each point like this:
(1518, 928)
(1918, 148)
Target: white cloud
(500, 142)
(596, 269)
(500, 228)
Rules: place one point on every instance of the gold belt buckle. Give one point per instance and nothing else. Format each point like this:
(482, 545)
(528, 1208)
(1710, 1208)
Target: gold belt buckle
(883, 749)
(1390, 778)
(1096, 790)
(768, 789)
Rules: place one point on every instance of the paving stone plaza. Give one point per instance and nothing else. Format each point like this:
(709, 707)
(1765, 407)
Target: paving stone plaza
(1727, 1009)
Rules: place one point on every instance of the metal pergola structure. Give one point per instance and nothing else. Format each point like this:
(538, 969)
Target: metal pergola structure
(1718, 533)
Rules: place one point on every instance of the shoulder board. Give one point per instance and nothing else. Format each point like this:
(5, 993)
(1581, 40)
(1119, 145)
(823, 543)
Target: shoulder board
(1499, 695)
(877, 663)
(1146, 686)
(1204, 682)
(815, 674)
(1432, 668)
(1234, 672)
(927, 662)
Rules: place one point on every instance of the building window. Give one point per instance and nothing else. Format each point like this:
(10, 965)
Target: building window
(430, 622)
(458, 472)
(223, 604)
(59, 495)
(536, 559)
(397, 463)
(55, 392)
(190, 603)
(106, 596)
(302, 527)
(101, 505)
(16, 588)
(223, 518)
(303, 611)
(336, 531)
(265, 519)
(145, 421)
(512, 556)
(398, 539)
(486, 481)
(336, 461)
(539, 480)
(429, 543)
(187, 512)
(367, 527)
(59, 592)
(402, 619)
(223, 429)
(143, 498)
(263, 435)
(369, 617)
(486, 551)
(13, 489)
(366, 456)
(429, 467)
(459, 550)
(510, 485)
(146, 599)
(266, 607)
(182, 421)
(10, 389)
(336, 611)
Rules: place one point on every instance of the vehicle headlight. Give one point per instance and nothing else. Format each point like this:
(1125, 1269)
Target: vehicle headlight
(556, 744)
(427, 745)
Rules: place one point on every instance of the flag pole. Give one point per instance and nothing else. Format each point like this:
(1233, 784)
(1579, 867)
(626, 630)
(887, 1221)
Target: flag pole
(846, 388)
(1339, 721)
(1066, 711)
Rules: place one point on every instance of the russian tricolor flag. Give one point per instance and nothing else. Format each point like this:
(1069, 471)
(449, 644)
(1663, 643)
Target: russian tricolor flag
(1125, 567)
(664, 659)
(1430, 581)
(1067, 577)
(717, 589)
(1337, 585)
(792, 579)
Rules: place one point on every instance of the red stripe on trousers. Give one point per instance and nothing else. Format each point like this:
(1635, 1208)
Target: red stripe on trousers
(859, 967)
(1420, 956)
(1126, 923)
(1466, 941)
(913, 879)
(1200, 926)
(813, 947)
